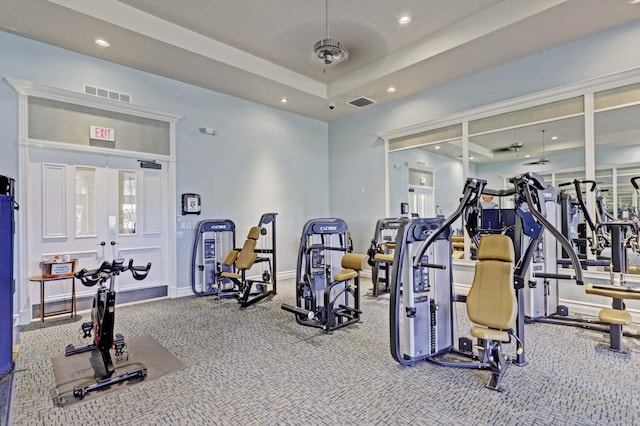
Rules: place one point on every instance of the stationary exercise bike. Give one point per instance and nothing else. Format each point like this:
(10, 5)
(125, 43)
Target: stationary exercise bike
(102, 322)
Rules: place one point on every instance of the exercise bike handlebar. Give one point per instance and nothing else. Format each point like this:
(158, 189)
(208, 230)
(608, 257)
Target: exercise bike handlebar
(107, 269)
(139, 273)
(91, 277)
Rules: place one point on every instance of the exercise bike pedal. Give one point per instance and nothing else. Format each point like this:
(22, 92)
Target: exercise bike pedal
(120, 348)
(87, 329)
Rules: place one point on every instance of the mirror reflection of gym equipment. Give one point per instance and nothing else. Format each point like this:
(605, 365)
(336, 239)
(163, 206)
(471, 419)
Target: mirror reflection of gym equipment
(220, 269)
(380, 253)
(327, 277)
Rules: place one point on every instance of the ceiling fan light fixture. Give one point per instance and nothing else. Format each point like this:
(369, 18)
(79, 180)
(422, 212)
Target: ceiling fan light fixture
(330, 51)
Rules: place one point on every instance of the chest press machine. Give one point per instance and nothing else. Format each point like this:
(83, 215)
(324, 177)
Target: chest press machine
(327, 277)
(422, 314)
(224, 267)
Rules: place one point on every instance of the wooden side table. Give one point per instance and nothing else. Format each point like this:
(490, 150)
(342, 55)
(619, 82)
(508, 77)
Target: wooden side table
(42, 280)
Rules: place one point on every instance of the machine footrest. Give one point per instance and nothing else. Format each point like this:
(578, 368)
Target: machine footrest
(298, 311)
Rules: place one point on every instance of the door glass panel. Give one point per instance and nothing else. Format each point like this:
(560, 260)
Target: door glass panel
(85, 201)
(127, 202)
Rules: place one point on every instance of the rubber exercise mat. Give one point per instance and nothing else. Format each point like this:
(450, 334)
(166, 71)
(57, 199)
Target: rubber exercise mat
(82, 369)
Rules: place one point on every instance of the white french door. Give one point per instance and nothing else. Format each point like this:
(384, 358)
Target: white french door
(95, 207)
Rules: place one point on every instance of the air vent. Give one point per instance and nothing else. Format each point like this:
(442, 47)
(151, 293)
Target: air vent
(108, 94)
(361, 102)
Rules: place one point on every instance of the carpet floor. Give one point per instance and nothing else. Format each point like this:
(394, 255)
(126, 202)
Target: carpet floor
(258, 366)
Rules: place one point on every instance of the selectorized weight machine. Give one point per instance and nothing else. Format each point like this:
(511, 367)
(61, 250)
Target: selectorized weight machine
(422, 324)
(214, 239)
(223, 267)
(327, 277)
(381, 253)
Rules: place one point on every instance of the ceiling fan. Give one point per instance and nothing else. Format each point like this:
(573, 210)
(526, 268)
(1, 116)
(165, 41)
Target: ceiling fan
(514, 147)
(542, 160)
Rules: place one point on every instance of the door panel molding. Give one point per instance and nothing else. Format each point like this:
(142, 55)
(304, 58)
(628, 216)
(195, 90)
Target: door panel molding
(54, 201)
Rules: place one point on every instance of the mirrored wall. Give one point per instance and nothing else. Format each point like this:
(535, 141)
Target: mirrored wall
(591, 136)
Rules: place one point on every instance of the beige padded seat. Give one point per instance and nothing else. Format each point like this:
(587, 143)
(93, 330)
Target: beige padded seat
(352, 263)
(615, 316)
(246, 257)
(491, 302)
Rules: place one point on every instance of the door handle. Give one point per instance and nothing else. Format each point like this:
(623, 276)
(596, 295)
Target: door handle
(102, 243)
(113, 243)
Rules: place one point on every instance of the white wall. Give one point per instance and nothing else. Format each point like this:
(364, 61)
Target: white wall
(353, 141)
(261, 160)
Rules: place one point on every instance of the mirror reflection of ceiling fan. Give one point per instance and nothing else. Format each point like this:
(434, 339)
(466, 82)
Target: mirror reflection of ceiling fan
(514, 147)
(542, 160)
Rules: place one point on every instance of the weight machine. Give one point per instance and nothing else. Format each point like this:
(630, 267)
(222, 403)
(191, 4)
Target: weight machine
(587, 234)
(327, 277)
(100, 329)
(422, 314)
(222, 269)
(214, 239)
(381, 253)
(602, 233)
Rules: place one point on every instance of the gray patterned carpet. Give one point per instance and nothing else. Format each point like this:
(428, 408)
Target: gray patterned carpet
(259, 366)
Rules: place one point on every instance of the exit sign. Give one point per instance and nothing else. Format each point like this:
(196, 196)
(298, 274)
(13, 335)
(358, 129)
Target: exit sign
(102, 133)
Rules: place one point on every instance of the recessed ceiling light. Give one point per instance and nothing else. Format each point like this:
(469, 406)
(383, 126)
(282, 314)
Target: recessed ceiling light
(102, 42)
(554, 138)
(527, 155)
(391, 89)
(437, 147)
(634, 1)
(404, 19)
(284, 100)
(471, 157)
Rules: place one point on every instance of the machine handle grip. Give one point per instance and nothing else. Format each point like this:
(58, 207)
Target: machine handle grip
(433, 265)
(559, 277)
(587, 262)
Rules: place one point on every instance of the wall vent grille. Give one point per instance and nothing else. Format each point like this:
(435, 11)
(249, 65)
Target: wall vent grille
(105, 93)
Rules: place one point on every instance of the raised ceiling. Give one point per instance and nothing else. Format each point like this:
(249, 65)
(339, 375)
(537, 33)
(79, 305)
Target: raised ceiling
(260, 50)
